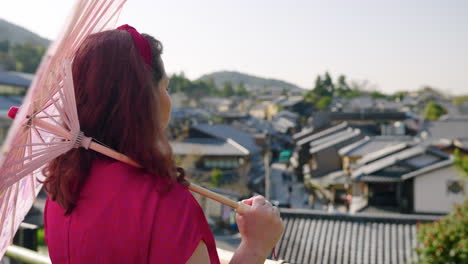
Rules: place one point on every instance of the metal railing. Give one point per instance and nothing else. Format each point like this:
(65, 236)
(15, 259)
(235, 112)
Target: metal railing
(26, 256)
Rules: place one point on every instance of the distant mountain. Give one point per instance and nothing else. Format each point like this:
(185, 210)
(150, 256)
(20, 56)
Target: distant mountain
(17, 34)
(252, 83)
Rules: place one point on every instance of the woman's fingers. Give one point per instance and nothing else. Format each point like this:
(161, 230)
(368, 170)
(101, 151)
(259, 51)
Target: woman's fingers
(258, 201)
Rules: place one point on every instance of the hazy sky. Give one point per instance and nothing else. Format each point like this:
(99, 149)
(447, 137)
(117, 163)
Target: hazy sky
(395, 44)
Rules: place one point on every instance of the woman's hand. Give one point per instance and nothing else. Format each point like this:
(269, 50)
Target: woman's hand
(261, 226)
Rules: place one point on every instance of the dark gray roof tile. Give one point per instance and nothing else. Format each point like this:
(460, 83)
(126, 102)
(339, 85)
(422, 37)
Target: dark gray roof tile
(228, 132)
(335, 140)
(15, 79)
(207, 147)
(449, 129)
(318, 237)
(373, 144)
(323, 133)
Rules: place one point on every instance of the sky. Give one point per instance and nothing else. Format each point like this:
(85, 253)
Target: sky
(395, 45)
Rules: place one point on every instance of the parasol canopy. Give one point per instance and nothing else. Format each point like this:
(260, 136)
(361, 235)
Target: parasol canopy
(47, 124)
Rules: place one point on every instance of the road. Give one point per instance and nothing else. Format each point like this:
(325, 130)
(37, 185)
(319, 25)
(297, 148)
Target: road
(280, 188)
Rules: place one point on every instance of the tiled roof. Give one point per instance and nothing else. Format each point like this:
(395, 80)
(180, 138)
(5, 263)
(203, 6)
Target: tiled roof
(435, 166)
(8, 101)
(322, 133)
(372, 144)
(287, 114)
(336, 177)
(228, 132)
(282, 124)
(403, 163)
(462, 143)
(383, 153)
(317, 237)
(207, 147)
(291, 101)
(303, 133)
(346, 116)
(334, 140)
(16, 79)
(449, 129)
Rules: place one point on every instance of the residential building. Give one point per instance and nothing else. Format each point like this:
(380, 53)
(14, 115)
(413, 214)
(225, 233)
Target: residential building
(14, 83)
(407, 178)
(302, 153)
(253, 166)
(351, 153)
(264, 110)
(216, 104)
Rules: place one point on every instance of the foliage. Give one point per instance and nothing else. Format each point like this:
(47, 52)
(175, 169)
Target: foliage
(323, 103)
(325, 89)
(377, 95)
(342, 89)
(433, 111)
(446, 240)
(458, 100)
(241, 91)
(41, 236)
(20, 57)
(199, 88)
(216, 176)
(399, 95)
(311, 97)
(228, 89)
(461, 162)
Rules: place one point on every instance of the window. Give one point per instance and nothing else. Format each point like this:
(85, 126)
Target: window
(455, 187)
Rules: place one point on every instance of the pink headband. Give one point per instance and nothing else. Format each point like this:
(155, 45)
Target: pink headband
(141, 43)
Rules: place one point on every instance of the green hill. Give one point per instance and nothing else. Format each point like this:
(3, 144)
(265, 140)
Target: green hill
(17, 34)
(252, 83)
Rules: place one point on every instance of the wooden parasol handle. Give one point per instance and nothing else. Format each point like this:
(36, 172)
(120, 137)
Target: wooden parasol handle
(238, 206)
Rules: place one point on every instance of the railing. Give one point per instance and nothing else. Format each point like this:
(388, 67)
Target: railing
(225, 256)
(28, 256)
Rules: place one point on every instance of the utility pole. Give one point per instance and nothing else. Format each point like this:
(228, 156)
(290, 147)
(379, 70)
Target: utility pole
(266, 160)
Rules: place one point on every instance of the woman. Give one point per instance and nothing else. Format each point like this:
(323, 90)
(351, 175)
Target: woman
(103, 211)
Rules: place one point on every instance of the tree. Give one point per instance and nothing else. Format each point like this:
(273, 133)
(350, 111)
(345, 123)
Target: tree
(4, 46)
(399, 95)
(178, 83)
(228, 90)
(342, 88)
(328, 85)
(20, 57)
(241, 91)
(27, 56)
(7, 61)
(433, 111)
(446, 240)
(461, 162)
(323, 103)
(311, 97)
(324, 87)
(458, 100)
(377, 95)
(216, 176)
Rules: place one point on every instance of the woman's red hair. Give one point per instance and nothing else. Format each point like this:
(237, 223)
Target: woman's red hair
(118, 105)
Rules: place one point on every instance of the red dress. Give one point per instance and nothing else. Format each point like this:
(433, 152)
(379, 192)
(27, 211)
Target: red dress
(122, 218)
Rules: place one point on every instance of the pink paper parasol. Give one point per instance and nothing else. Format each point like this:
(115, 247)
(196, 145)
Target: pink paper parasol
(47, 124)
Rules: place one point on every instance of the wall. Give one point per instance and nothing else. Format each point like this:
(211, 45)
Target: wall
(431, 194)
